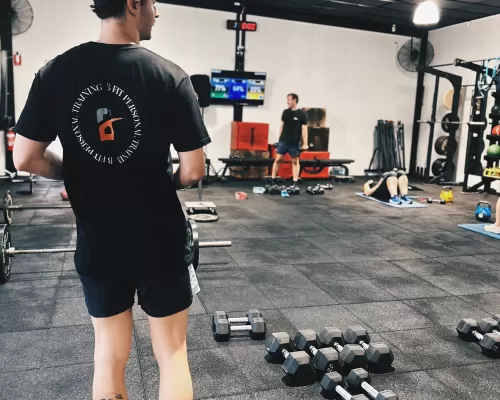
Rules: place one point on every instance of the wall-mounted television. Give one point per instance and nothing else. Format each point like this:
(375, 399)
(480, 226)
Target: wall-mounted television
(238, 88)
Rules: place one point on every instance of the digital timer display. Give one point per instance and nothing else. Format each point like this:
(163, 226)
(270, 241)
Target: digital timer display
(236, 87)
(242, 25)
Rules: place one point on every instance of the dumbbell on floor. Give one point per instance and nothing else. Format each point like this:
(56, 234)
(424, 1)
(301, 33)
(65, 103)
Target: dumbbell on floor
(323, 360)
(296, 364)
(468, 330)
(359, 379)
(351, 356)
(377, 354)
(222, 328)
(489, 325)
(331, 383)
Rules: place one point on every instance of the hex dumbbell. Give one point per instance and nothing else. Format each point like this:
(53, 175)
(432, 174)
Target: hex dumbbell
(468, 330)
(351, 356)
(378, 354)
(222, 328)
(489, 325)
(359, 379)
(296, 364)
(331, 383)
(323, 360)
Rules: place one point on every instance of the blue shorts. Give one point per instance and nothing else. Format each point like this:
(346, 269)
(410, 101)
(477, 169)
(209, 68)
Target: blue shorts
(292, 149)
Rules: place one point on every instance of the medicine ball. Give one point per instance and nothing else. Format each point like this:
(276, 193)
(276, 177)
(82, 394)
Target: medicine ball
(496, 109)
(496, 130)
(493, 150)
(202, 87)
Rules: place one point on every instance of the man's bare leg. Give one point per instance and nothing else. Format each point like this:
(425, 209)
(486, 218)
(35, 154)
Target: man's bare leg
(495, 228)
(276, 165)
(168, 336)
(113, 340)
(392, 185)
(295, 168)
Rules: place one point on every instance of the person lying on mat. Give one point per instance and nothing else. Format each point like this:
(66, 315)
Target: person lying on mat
(392, 188)
(495, 228)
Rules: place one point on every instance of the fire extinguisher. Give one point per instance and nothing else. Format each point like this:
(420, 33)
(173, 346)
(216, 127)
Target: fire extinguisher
(11, 138)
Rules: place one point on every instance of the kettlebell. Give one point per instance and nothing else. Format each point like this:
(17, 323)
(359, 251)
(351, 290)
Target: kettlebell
(447, 194)
(483, 211)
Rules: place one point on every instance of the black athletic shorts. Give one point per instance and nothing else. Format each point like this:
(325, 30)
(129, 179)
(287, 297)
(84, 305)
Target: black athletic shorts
(382, 192)
(106, 297)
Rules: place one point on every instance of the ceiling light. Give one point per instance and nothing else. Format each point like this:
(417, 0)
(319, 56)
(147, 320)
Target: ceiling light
(427, 13)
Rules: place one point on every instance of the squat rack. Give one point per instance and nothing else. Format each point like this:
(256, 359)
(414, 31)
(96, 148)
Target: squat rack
(477, 123)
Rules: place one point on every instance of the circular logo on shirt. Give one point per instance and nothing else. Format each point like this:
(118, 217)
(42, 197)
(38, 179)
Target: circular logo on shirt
(106, 123)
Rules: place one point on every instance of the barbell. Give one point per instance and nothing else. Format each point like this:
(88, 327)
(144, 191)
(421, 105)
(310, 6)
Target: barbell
(9, 206)
(7, 251)
(451, 119)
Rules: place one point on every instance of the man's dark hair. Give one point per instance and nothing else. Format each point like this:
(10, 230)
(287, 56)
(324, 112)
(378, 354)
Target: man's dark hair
(294, 97)
(110, 8)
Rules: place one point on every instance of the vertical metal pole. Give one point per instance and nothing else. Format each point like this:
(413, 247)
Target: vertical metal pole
(239, 59)
(432, 126)
(419, 99)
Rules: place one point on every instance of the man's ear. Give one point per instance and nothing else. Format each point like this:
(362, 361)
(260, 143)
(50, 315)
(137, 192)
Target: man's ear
(132, 6)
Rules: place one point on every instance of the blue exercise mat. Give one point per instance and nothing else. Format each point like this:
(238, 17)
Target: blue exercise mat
(479, 228)
(415, 204)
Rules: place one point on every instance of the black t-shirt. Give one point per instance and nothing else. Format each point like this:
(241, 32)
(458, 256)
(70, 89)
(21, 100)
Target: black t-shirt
(293, 120)
(117, 109)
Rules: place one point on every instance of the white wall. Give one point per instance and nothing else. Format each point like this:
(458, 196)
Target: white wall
(469, 41)
(353, 74)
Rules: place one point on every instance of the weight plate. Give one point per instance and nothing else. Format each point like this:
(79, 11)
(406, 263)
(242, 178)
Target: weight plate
(202, 217)
(5, 260)
(438, 166)
(7, 213)
(447, 125)
(441, 145)
(195, 243)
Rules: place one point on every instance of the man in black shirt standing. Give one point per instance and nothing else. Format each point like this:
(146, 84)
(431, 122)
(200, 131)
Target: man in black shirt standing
(293, 130)
(117, 108)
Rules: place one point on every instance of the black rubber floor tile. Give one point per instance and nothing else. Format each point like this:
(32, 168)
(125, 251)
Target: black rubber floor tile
(214, 256)
(236, 397)
(197, 307)
(389, 316)
(347, 255)
(304, 294)
(478, 381)
(473, 236)
(28, 290)
(220, 265)
(369, 240)
(26, 315)
(468, 264)
(436, 347)
(402, 362)
(267, 245)
(275, 275)
(323, 273)
(68, 292)
(396, 252)
(329, 242)
(69, 312)
(409, 287)
(423, 266)
(51, 217)
(257, 258)
(45, 236)
(446, 310)
(489, 303)
(492, 259)
(227, 230)
(21, 350)
(61, 383)
(226, 278)
(290, 393)
(477, 249)
(415, 386)
(377, 269)
(304, 228)
(257, 372)
(361, 291)
(300, 256)
(42, 263)
(229, 299)
(319, 317)
(459, 285)
(69, 345)
(270, 230)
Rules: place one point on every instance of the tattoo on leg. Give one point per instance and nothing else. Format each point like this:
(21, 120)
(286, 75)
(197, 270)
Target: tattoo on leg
(113, 396)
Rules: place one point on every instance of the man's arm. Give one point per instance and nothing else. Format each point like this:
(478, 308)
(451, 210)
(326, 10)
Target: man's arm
(190, 136)
(34, 157)
(369, 191)
(36, 130)
(305, 138)
(281, 127)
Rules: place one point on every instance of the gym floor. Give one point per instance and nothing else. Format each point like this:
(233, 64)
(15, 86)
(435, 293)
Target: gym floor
(408, 276)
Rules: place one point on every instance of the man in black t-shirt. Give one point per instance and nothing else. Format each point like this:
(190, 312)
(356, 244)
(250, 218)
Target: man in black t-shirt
(117, 108)
(293, 130)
